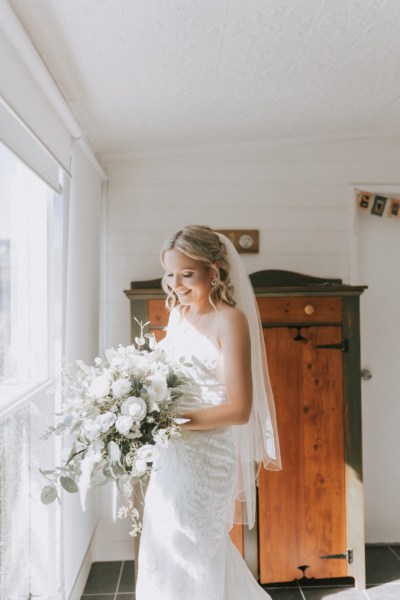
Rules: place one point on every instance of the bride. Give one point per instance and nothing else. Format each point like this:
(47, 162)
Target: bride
(205, 480)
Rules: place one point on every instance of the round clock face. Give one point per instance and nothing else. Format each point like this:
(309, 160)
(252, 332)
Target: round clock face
(246, 241)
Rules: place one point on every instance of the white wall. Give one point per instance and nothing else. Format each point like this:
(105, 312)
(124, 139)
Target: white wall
(82, 331)
(378, 265)
(297, 195)
(301, 198)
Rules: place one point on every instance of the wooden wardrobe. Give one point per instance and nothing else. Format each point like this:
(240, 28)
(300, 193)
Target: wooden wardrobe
(310, 520)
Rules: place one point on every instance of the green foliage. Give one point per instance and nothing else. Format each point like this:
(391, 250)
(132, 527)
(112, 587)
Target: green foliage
(49, 494)
(68, 484)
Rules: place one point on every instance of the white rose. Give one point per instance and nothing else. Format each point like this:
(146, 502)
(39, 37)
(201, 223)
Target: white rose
(147, 452)
(124, 424)
(121, 387)
(100, 387)
(157, 387)
(134, 407)
(105, 420)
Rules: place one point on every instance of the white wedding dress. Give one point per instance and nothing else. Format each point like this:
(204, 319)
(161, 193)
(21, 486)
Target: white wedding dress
(185, 549)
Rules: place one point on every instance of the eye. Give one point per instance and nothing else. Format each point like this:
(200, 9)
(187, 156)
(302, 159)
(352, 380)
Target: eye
(188, 274)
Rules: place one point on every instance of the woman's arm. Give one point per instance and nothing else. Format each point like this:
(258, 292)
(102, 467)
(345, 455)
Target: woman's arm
(233, 335)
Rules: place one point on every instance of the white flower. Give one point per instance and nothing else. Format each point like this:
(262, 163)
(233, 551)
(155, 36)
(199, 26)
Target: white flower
(91, 429)
(94, 451)
(147, 452)
(161, 437)
(157, 387)
(140, 467)
(100, 387)
(92, 457)
(121, 387)
(123, 424)
(105, 420)
(134, 407)
(122, 512)
(114, 451)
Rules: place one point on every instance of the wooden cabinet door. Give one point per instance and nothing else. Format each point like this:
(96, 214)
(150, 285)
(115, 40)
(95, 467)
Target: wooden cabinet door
(302, 507)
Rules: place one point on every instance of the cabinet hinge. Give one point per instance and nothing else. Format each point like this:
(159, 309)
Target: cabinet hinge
(348, 555)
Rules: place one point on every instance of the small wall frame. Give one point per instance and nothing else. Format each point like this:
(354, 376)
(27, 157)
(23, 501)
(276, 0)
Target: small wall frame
(245, 241)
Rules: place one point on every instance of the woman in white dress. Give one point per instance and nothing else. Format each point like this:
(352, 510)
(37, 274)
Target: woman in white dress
(204, 481)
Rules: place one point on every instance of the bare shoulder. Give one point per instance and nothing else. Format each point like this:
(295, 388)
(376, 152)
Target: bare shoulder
(230, 321)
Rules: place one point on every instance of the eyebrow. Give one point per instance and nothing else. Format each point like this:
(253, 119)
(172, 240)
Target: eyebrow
(183, 269)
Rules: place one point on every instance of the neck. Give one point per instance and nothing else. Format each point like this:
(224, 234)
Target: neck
(197, 309)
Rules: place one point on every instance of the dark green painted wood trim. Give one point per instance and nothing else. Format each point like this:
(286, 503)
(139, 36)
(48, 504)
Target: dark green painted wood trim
(352, 385)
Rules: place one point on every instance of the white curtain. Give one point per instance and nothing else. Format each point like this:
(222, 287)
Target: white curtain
(14, 505)
(31, 549)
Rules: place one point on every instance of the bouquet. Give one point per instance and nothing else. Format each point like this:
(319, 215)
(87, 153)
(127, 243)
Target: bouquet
(115, 415)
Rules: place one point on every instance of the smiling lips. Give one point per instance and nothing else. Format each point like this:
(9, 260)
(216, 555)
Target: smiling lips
(183, 293)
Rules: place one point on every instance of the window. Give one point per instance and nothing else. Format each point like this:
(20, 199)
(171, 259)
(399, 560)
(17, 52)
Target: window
(31, 267)
(30, 217)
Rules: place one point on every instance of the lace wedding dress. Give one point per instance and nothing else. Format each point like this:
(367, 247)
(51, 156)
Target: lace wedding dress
(185, 550)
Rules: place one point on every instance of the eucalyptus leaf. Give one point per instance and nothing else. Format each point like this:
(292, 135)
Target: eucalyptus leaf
(49, 472)
(117, 470)
(69, 484)
(49, 494)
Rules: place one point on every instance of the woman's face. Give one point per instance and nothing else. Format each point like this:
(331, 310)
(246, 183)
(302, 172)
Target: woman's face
(188, 278)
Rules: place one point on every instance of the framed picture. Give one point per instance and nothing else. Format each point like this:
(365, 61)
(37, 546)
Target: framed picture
(394, 208)
(244, 240)
(378, 207)
(364, 200)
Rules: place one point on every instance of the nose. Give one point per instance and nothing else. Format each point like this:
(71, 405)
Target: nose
(175, 282)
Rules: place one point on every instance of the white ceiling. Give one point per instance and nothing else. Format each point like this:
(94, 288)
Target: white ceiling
(150, 75)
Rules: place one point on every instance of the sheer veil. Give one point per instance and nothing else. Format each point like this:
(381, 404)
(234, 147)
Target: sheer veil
(257, 442)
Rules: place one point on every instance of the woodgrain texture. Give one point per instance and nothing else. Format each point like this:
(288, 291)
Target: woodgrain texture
(302, 309)
(302, 508)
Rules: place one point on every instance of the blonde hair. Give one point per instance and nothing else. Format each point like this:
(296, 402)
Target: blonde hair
(201, 243)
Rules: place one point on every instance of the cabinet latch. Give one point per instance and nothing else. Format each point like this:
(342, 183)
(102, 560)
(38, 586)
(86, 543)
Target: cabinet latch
(348, 555)
(343, 346)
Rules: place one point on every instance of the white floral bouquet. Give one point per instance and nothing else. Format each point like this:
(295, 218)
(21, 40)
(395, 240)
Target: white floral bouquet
(114, 416)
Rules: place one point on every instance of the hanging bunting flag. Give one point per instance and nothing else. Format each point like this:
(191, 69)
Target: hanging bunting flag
(378, 206)
(394, 208)
(364, 200)
(375, 204)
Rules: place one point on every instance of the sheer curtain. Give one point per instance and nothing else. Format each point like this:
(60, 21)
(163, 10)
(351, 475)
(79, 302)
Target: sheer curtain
(14, 505)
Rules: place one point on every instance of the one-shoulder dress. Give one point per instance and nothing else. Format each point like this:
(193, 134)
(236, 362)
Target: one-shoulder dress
(185, 549)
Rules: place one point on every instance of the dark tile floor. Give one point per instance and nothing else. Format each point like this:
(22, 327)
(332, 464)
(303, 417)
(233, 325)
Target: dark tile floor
(114, 581)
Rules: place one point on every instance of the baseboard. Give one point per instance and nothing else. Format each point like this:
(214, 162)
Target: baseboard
(382, 543)
(83, 575)
(112, 551)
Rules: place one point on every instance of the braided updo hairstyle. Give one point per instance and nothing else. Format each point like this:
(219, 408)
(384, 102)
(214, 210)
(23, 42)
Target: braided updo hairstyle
(201, 243)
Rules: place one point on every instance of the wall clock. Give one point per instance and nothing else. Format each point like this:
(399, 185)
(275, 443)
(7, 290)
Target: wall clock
(244, 240)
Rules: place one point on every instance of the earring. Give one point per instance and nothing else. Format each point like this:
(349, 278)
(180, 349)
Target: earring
(214, 282)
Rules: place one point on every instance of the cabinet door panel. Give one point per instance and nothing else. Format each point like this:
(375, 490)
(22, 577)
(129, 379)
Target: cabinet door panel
(302, 507)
